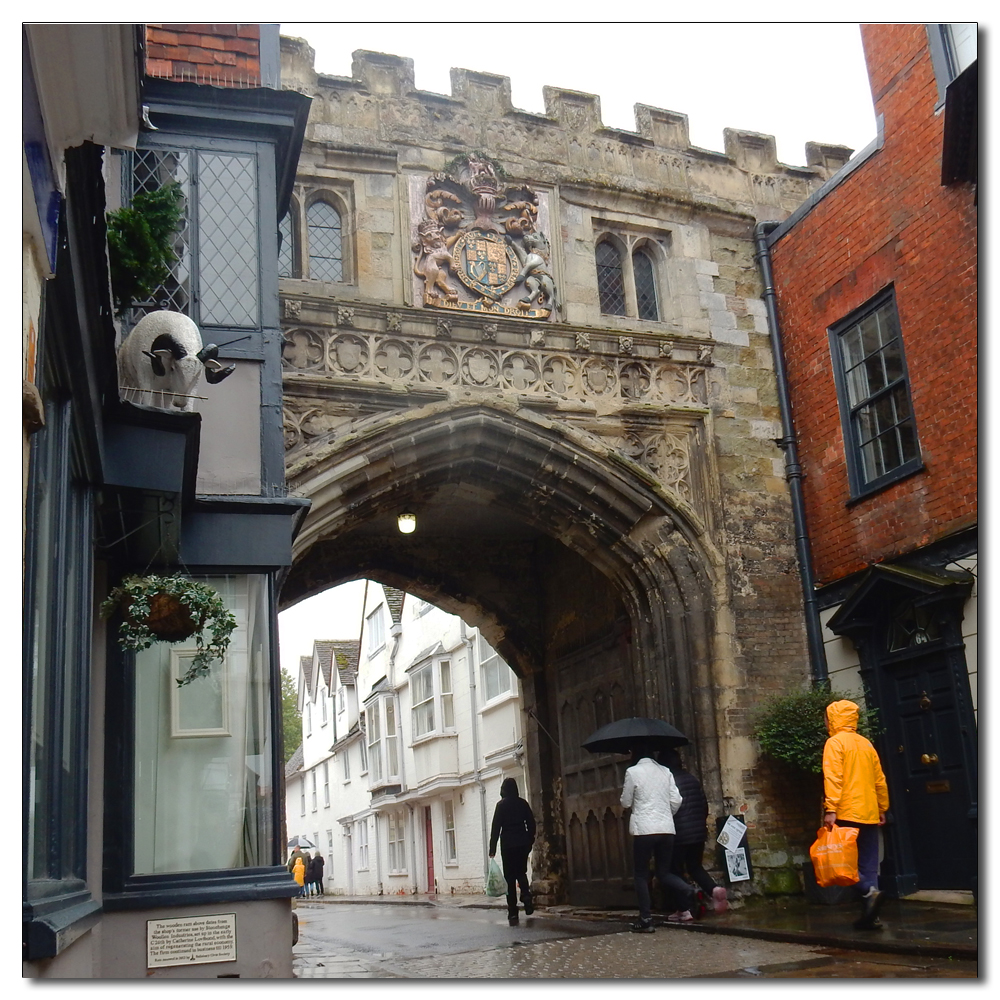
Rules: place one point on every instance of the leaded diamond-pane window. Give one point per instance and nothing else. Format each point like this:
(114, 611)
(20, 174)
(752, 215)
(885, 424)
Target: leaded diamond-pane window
(151, 170)
(326, 253)
(227, 239)
(875, 396)
(610, 284)
(645, 285)
(216, 277)
(285, 246)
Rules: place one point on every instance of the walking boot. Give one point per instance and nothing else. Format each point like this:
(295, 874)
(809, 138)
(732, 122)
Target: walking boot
(868, 921)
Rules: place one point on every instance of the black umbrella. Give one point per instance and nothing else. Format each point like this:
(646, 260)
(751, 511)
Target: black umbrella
(302, 843)
(625, 735)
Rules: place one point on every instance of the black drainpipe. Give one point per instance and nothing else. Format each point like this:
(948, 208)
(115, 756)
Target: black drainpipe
(793, 470)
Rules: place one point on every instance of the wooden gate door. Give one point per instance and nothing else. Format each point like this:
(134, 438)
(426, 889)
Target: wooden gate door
(594, 688)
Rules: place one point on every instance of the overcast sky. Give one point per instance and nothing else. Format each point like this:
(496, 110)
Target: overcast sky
(798, 82)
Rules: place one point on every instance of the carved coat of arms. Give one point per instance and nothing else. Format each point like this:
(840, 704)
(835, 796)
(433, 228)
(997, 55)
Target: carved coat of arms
(478, 247)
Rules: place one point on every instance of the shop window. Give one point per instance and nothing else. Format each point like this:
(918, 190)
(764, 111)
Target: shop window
(877, 414)
(203, 781)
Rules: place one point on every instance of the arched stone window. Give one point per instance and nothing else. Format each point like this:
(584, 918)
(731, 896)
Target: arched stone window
(644, 271)
(610, 280)
(326, 248)
(286, 249)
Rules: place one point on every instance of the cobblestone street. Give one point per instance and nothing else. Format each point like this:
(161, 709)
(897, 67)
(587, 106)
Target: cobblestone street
(583, 953)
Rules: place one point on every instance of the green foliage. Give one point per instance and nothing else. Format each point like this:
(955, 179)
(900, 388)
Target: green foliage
(140, 243)
(205, 606)
(290, 717)
(793, 728)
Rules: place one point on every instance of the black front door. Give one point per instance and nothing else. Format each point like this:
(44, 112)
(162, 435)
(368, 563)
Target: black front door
(927, 741)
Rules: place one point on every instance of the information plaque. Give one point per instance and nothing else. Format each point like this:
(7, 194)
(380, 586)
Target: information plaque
(191, 940)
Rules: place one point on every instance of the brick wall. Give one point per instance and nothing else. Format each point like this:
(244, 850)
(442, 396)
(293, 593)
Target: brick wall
(891, 222)
(223, 55)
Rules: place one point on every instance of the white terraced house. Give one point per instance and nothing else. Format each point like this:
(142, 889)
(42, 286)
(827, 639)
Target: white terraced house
(407, 734)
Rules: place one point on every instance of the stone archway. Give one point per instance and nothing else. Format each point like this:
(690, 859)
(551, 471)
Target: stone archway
(599, 589)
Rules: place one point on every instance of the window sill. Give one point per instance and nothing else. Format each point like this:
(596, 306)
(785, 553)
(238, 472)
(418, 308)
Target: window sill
(401, 874)
(444, 734)
(883, 483)
(498, 701)
(193, 888)
(50, 926)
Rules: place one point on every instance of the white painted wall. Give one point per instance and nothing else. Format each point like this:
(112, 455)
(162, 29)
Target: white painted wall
(463, 765)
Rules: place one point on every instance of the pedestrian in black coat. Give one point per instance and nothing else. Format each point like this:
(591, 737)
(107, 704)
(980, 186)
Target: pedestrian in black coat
(691, 822)
(316, 874)
(514, 827)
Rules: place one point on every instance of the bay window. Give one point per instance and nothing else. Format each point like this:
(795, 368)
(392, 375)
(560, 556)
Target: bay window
(497, 678)
(383, 740)
(432, 698)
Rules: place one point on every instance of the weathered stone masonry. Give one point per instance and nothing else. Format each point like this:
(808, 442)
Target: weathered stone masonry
(601, 494)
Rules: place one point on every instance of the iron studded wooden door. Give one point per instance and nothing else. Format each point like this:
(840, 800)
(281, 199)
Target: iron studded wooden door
(594, 689)
(926, 739)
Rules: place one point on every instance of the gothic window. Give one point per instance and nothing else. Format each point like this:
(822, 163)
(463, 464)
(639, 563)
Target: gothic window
(286, 253)
(610, 282)
(326, 248)
(645, 284)
(873, 389)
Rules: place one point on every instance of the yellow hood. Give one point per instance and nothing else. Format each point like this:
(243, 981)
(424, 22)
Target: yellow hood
(841, 715)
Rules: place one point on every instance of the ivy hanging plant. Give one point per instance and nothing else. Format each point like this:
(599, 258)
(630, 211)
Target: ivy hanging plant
(140, 243)
(792, 728)
(172, 609)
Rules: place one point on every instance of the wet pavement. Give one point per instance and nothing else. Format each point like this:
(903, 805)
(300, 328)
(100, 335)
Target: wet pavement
(786, 937)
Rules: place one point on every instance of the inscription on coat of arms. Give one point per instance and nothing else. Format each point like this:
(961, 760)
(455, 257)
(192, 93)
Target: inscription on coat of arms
(479, 244)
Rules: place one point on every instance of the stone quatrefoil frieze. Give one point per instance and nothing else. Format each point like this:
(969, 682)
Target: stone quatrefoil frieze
(391, 359)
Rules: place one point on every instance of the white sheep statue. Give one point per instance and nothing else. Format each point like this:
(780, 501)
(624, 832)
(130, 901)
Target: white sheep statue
(164, 354)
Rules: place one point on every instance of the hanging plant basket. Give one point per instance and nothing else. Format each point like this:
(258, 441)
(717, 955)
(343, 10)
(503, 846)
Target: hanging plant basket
(172, 609)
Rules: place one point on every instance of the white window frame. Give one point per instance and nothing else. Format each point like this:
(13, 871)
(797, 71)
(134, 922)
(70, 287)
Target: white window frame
(326, 784)
(363, 744)
(375, 628)
(323, 715)
(396, 842)
(309, 719)
(491, 662)
(302, 794)
(438, 705)
(362, 845)
(312, 787)
(346, 753)
(341, 700)
(383, 732)
(450, 834)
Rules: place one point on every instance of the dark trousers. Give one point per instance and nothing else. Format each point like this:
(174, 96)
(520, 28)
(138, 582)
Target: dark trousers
(660, 847)
(688, 858)
(867, 853)
(515, 871)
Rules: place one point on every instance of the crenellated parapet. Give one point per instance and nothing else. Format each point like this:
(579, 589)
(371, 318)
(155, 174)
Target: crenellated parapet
(379, 104)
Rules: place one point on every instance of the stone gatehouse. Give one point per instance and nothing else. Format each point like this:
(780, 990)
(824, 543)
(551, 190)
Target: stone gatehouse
(545, 339)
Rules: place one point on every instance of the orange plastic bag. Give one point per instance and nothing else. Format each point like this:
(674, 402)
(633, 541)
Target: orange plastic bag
(835, 855)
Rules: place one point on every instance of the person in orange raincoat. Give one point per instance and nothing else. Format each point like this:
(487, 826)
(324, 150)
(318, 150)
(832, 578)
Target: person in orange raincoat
(299, 874)
(855, 794)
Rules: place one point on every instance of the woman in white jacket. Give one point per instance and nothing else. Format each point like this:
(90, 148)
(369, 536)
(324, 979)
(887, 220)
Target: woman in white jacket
(651, 793)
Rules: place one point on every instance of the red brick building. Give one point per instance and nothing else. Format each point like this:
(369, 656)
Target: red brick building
(875, 288)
